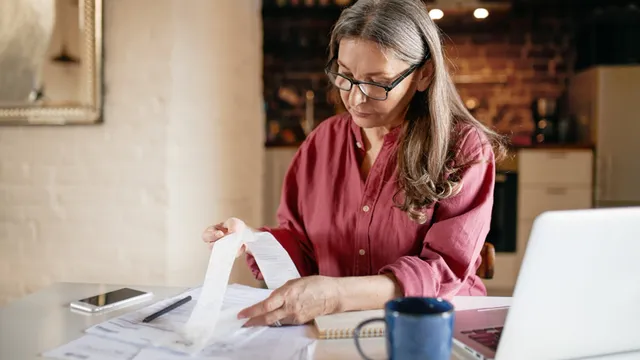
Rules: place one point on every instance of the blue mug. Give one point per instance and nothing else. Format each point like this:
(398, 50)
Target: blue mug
(416, 328)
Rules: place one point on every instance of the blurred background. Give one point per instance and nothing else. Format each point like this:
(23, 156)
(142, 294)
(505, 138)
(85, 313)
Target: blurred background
(202, 105)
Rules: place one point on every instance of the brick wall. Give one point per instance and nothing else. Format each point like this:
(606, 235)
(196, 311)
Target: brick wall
(501, 64)
(126, 201)
(501, 68)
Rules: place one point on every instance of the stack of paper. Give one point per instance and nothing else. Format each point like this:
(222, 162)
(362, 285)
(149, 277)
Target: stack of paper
(127, 338)
(130, 328)
(207, 328)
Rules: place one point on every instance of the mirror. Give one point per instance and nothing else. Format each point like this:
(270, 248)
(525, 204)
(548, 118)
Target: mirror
(50, 62)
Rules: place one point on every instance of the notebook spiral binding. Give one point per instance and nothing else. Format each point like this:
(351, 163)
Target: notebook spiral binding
(348, 333)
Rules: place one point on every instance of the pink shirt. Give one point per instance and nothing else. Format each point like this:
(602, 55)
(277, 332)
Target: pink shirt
(333, 222)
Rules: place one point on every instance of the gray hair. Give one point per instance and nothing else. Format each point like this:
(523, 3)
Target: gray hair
(404, 29)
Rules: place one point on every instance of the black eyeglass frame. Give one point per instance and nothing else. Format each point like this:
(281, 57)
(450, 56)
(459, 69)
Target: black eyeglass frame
(387, 88)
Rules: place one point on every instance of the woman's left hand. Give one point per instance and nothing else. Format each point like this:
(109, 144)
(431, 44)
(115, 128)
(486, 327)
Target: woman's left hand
(296, 302)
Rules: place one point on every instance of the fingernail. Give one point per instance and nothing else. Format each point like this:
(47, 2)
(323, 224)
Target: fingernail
(241, 316)
(219, 233)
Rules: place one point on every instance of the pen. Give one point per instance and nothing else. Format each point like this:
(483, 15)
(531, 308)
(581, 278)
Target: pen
(167, 309)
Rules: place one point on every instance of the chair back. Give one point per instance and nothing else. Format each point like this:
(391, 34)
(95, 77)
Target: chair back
(488, 254)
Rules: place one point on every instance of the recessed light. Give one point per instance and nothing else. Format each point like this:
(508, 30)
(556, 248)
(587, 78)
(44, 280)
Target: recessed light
(481, 13)
(436, 14)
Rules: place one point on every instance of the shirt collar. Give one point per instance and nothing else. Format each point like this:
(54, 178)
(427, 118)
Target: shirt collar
(390, 137)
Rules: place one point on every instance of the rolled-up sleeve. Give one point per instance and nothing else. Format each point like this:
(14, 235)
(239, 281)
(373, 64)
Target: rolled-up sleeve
(290, 231)
(451, 248)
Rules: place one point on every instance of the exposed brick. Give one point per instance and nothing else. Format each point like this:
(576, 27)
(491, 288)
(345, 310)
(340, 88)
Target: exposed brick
(463, 51)
(522, 65)
(525, 75)
(456, 39)
(532, 61)
(500, 64)
(503, 51)
(487, 38)
(541, 68)
(542, 53)
(521, 91)
(476, 64)
(540, 89)
(520, 100)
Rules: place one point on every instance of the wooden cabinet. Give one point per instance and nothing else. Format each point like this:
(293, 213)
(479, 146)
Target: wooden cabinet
(548, 179)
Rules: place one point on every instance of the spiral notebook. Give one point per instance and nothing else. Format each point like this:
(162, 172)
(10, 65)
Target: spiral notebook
(341, 326)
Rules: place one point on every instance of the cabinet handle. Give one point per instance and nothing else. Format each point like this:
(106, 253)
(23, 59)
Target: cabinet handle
(556, 190)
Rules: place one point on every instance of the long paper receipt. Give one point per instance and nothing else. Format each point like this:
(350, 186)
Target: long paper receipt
(209, 320)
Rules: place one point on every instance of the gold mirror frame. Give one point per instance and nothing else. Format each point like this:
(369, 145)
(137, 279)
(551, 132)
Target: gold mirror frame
(92, 67)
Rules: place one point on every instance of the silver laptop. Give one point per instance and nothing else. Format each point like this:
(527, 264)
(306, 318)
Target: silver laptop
(577, 294)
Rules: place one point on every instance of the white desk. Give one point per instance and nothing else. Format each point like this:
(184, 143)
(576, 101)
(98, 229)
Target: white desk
(43, 321)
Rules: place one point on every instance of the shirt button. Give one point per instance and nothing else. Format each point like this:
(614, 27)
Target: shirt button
(365, 208)
(361, 252)
(359, 145)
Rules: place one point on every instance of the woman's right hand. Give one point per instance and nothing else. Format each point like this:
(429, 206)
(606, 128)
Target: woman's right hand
(216, 232)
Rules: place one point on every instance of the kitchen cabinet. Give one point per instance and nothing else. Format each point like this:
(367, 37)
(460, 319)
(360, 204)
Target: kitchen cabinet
(548, 179)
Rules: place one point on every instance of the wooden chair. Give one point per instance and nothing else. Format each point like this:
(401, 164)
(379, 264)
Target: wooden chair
(488, 254)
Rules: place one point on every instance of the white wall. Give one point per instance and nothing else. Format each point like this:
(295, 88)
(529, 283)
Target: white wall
(181, 147)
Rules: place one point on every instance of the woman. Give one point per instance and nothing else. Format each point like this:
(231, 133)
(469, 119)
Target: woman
(392, 198)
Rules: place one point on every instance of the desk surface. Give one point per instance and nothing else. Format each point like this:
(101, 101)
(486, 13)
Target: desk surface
(43, 321)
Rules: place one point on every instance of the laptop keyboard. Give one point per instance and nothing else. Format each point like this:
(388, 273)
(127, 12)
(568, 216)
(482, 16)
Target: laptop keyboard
(488, 337)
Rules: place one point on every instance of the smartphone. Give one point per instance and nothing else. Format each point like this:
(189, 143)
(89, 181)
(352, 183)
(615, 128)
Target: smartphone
(111, 300)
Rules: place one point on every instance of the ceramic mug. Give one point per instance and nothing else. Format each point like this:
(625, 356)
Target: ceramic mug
(416, 328)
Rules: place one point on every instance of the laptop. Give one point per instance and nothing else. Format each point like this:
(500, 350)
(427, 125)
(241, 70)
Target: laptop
(577, 294)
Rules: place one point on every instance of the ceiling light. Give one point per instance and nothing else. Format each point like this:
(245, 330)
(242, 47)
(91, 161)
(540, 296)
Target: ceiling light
(436, 14)
(480, 13)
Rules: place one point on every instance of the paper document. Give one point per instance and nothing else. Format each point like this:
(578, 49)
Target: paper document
(130, 328)
(272, 344)
(91, 347)
(273, 260)
(288, 343)
(203, 322)
(208, 325)
(209, 321)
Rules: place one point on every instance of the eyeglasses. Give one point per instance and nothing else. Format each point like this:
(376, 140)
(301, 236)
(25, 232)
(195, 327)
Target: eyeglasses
(370, 89)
